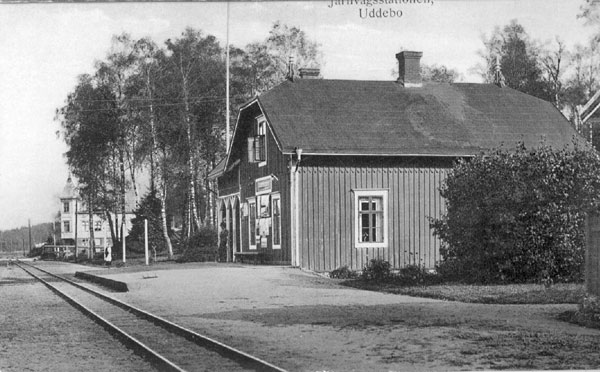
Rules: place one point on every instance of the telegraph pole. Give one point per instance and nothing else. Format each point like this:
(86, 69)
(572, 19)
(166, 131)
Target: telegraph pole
(76, 225)
(29, 223)
(227, 84)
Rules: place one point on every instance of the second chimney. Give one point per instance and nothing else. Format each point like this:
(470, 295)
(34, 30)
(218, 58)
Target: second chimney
(409, 68)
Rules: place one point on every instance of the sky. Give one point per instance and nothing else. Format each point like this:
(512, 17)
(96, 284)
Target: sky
(45, 46)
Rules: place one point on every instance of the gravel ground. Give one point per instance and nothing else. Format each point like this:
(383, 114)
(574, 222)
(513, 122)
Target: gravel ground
(42, 332)
(304, 322)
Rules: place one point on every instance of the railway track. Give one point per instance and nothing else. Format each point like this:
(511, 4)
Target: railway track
(165, 344)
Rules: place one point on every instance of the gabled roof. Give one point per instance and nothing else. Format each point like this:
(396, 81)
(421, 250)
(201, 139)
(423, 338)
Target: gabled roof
(346, 117)
(218, 170)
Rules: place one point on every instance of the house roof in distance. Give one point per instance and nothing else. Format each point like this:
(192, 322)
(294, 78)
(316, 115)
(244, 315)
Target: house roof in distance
(349, 117)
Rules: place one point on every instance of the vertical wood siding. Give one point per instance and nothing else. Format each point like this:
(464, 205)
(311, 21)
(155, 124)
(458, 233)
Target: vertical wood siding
(592, 256)
(327, 214)
(249, 172)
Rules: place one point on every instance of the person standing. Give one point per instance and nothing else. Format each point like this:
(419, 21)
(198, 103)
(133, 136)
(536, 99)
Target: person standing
(108, 256)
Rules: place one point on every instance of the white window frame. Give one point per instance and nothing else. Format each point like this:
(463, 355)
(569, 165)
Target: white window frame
(274, 197)
(66, 207)
(67, 226)
(251, 201)
(261, 130)
(377, 193)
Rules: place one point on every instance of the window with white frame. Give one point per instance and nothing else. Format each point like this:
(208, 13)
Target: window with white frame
(257, 145)
(98, 225)
(67, 226)
(66, 206)
(276, 220)
(252, 222)
(371, 222)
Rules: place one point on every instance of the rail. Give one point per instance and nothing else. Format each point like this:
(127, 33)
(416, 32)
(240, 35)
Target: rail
(226, 351)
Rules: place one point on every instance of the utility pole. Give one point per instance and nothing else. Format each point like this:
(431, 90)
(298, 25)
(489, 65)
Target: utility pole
(29, 223)
(227, 84)
(76, 225)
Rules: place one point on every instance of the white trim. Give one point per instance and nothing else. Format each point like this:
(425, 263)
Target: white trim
(275, 196)
(269, 125)
(261, 120)
(228, 154)
(382, 193)
(257, 180)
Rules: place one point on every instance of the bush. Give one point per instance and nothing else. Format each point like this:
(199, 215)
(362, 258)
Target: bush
(416, 275)
(518, 216)
(202, 246)
(589, 308)
(343, 273)
(377, 270)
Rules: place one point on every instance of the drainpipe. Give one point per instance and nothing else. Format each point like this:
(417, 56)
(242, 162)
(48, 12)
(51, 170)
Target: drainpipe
(295, 206)
(293, 212)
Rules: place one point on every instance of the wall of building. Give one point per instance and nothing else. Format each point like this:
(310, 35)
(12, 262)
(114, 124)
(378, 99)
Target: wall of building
(241, 179)
(327, 210)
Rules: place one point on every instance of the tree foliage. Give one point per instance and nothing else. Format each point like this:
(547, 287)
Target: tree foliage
(518, 56)
(439, 73)
(518, 215)
(150, 210)
(266, 62)
(162, 108)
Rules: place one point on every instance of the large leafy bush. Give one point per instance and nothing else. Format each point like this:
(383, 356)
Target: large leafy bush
(518, 215)
(202, 246)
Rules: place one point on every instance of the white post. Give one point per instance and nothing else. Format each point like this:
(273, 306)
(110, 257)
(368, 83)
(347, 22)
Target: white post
(123, 241)
(146, 240)
(227, 135)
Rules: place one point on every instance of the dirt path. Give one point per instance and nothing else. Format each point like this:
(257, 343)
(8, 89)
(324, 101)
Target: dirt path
(304, 322)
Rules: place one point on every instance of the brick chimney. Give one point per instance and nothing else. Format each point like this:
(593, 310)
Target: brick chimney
(409, 68)
(309, 73)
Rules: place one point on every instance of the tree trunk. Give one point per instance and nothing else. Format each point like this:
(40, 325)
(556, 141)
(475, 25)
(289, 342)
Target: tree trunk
(132, 173)
(163, 215)
(162, 189)
(123, 207)
(188, 127)
(114, 238)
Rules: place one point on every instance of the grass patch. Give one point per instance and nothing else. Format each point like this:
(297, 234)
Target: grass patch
(561, 293)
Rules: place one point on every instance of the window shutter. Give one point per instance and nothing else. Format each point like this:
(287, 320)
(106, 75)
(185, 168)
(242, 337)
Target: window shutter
(259, 146)
(251, 158)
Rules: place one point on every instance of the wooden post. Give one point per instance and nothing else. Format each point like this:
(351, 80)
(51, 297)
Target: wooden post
(123, 227)
(29, 223)
(228, 228)
(146, 240)
(76, 228)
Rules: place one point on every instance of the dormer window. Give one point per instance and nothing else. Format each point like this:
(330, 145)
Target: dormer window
(257, 145)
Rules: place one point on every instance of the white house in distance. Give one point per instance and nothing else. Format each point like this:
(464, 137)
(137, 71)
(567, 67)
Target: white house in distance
(75, 221)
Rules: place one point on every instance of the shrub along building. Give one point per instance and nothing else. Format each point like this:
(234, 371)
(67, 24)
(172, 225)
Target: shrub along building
(328, 173)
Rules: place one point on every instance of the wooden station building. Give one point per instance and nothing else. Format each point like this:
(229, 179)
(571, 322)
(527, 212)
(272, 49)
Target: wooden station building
(322, 173)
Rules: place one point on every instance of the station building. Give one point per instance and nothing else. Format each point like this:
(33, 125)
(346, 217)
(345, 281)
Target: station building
(322, 173)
